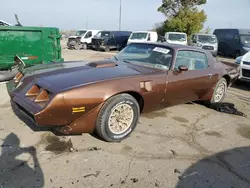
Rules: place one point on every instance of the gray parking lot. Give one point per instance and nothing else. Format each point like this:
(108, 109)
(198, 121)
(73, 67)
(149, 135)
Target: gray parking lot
(188, 145)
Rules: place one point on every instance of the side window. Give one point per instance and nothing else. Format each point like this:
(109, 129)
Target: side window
(88, 35)
(194, 60)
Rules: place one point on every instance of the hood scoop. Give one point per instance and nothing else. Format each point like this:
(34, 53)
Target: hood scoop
(102, 64)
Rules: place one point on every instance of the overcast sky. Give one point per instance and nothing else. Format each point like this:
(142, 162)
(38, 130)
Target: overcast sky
(104, 14)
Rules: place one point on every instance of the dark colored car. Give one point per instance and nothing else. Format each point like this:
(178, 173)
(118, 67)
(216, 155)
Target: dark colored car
(108, 96)
(233, 42)
(110, 40)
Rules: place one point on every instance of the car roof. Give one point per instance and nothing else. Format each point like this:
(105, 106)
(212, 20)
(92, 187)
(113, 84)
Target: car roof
(173, 46)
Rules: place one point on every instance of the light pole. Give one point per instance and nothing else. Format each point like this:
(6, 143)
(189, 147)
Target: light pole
(120, 17)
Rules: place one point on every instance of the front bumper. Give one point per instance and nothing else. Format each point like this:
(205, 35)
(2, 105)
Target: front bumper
(214, 52)
(61, 121)
(244, 73)
(71, 44)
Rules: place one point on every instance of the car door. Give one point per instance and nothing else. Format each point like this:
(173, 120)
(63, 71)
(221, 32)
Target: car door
(112, 40)
(190, 85)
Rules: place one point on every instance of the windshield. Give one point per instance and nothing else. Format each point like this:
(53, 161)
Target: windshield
(207, 39)
(147, 55)
(139, 36)
(245, 39)
(176, 37)
(79, 33)
(103, 34)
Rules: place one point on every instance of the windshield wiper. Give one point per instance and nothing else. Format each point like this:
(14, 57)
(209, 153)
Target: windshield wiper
(116, 58)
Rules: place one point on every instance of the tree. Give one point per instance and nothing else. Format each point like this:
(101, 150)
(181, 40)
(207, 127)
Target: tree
(188, 20)
(171, 8)
(182, 16)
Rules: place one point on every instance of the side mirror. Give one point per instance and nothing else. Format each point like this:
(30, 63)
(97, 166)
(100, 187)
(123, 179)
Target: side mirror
(183, 68)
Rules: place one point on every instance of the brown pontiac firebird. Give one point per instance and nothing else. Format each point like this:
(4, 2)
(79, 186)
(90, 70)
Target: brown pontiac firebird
(108, 96)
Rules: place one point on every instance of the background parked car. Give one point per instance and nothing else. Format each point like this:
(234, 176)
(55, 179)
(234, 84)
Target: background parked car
(244, 62)
(143, 36)
(205, 41)
(82, 39)
(109, 40)
(176, 38)
(233, 42)
(3, 23)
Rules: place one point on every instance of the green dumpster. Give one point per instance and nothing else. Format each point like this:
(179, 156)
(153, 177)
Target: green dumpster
(34, 45)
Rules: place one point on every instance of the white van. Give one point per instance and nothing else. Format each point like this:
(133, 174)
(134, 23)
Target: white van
(143, 36)
(81, 39)
(176, 38)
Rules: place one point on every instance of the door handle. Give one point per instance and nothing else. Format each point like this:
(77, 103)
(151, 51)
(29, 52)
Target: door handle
(210, 75)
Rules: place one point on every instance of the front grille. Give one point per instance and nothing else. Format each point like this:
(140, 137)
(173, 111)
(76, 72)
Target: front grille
(246, 73)
(71, 39)
(246, 63)
(39, 95)
(208, 47)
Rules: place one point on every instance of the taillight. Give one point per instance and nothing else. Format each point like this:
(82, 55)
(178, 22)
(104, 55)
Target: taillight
(18, 77)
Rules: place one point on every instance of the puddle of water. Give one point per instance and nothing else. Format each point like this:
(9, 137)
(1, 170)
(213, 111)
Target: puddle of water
(244, 131)
(180, 119)
(155, 114)
(213, 133)
(55, 145)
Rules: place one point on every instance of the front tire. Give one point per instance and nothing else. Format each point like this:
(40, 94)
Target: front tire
(117, 118)
(85, 46)
(219, 91)
(106, 49)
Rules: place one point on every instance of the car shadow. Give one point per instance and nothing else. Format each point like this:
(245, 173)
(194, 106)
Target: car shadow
(19, 173)
(223, 107)
(241, 85)
(228, 169)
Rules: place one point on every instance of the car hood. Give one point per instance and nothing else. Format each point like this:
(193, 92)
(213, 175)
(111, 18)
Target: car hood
(246, 57)
(69, 77)
(45, 68)
(74, 37)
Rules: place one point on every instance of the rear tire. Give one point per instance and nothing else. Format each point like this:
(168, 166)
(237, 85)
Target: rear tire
(112, 125)
(219, 91)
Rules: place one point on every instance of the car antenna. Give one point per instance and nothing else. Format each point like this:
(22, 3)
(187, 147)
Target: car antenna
(17, 20)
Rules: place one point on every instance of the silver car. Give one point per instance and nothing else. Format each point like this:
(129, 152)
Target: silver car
(205, 41)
